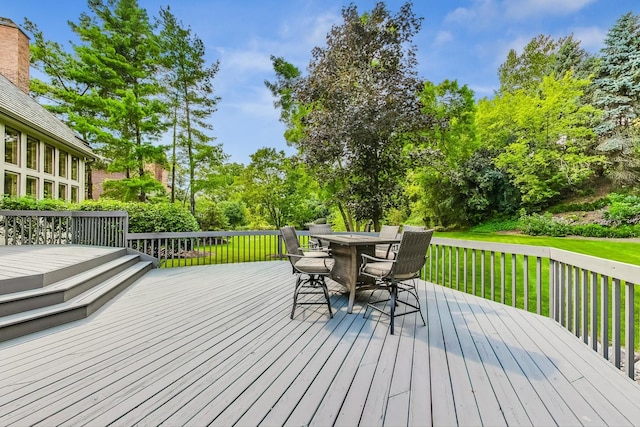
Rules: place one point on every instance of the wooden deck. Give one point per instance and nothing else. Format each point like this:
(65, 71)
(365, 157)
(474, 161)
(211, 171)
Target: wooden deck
(215, 345)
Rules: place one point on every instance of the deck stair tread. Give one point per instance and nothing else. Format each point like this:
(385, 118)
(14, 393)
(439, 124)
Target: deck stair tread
(66, 284)
(83, 300)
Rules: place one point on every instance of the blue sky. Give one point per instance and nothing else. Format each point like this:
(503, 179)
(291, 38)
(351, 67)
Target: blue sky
(460, 39)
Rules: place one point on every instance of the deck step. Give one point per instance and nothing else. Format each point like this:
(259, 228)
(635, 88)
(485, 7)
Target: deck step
(41, 280)
(63, 290)
(76, 308)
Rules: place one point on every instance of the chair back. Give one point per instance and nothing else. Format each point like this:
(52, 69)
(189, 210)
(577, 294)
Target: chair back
(319, 229)
(412, 228)
(389, 231)
(291, 242)
(412, 253)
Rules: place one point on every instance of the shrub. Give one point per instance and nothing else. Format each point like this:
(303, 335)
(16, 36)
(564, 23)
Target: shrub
(573, 207)
(143, 217)
(543, 225)
(496, 225)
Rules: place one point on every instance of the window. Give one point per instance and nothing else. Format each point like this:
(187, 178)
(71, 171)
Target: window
(32, 153)
(74, 168)
(62, 191)
(11, 145)
(49, 158)
(62, 164)
(32, 187)
(74, 194)
(48, 190)
(10, 184)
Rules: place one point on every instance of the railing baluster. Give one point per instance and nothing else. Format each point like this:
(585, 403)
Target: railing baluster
(464, 257)
(482, 273)
(473, 270)
(539, 285)
(616, 322)
(457, 268)
(594, 310)
(604, 315)
(514, 292)
(585, 306)
(629, 362)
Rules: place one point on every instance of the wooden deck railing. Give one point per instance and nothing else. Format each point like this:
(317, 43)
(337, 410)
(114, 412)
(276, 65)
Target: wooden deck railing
(581, 292)
(63, 227)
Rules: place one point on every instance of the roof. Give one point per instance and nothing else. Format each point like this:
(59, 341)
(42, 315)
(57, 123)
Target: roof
(23, 108)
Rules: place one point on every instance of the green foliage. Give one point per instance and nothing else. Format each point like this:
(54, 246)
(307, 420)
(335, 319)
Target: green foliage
(27, 203)
(544, 139)
(129, 189)
(543, 225)
(359, 109)
(148, 217)
(623, 209)
(211, 216)
(496, 225)
(574, 207)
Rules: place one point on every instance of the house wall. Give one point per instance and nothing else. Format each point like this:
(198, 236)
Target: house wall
(28, 174)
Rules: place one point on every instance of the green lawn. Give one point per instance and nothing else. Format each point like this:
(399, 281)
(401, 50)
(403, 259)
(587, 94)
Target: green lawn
(617, 250)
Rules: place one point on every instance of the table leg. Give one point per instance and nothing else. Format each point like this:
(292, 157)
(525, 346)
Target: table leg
(352, 297)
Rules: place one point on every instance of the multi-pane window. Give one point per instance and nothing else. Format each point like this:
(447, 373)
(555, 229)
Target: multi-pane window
(74, 168)
(48, 189)
(32, 153)
(62, 164)
(11, 184)
(74, 194)
(62, 191)
(49, 158)
(32, 187)
(11, 145)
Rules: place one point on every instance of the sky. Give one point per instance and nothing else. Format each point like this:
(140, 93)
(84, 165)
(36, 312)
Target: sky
(465, 40)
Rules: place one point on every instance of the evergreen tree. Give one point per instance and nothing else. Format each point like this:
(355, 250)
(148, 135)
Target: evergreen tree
(617, 92)
(190, 90)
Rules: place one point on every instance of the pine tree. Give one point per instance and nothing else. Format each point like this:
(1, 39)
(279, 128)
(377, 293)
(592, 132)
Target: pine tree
(190, 89)
(617, 93)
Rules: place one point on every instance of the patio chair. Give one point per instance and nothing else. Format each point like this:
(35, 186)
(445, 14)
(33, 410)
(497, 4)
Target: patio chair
(310, 273)
(292, 244)
(393, 275)
(387, 232)
(319, 229)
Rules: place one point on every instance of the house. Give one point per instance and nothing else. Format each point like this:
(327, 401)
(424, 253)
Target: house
(43, 157)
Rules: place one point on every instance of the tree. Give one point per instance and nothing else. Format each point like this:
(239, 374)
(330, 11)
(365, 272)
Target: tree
(543, 138)
(108, 90)
(617, 92)
(357, 108)
(278, 188)
(450, 142)
(190, 90)
(542, 57)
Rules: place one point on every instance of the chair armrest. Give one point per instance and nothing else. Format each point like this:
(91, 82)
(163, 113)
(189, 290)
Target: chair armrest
(366, 257)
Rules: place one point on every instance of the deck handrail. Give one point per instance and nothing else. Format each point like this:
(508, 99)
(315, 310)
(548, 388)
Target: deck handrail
(580, 292)
(31, 227)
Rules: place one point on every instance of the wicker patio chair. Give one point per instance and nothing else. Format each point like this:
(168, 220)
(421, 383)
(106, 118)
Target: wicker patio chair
(315, 229)
(310, 269)
(394, 275)
(387, 232)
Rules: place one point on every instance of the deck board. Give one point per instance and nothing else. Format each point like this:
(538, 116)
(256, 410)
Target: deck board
(214, 344)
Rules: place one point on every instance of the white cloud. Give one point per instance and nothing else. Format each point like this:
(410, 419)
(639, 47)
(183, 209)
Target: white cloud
(522, 9)
(481, 14)
(443, 37)
(591, 38)
(247, 60)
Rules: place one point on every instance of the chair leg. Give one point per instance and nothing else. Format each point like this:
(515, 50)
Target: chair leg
(393, 294)
(326, 295)
(295, 295)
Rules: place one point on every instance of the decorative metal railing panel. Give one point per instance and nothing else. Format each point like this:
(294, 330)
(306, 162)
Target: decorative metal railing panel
(63, 227)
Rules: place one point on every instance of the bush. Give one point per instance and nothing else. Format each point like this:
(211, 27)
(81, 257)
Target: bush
(496, 225)
(143, 217)
(543, 225)
(586, 207)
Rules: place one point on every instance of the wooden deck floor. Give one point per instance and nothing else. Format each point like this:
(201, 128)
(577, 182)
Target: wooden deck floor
(215, 345)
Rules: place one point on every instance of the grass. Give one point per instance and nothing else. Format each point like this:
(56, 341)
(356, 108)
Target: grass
(614, 249)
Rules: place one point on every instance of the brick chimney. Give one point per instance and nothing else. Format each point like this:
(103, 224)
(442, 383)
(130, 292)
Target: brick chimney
(14, 54)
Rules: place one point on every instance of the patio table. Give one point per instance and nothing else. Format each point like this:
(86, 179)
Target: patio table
(346, 250)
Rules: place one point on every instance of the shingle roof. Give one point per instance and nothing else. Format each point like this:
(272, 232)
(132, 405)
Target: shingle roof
(21, 107)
